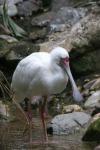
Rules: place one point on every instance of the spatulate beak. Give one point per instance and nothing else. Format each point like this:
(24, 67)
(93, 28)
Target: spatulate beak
(76, 94)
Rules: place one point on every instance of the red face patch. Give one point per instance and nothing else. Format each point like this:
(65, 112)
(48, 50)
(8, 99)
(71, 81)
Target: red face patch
(65, 60)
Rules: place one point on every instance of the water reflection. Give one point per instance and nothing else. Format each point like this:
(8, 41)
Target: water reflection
(12, 138)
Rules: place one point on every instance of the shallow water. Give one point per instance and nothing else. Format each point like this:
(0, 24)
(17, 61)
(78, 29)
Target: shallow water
(12, 138)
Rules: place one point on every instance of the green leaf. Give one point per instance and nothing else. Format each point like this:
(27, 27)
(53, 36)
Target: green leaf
(16, 30)
(9, 24)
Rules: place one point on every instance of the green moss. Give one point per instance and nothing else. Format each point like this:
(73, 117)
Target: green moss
(3, 44)
(93, 132)
(86, 63)
(95, 125)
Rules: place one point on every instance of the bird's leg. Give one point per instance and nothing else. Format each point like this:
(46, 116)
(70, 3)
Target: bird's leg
(43, 113)
(28, 110)
(29, 115)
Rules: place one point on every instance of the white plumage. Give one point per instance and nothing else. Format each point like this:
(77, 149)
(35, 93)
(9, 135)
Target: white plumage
(43, 74)
(38, 74)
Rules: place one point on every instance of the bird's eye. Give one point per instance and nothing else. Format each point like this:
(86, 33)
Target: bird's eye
(65, 59)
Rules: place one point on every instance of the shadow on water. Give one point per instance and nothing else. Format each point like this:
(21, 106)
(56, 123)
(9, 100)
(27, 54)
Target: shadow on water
(12, 138)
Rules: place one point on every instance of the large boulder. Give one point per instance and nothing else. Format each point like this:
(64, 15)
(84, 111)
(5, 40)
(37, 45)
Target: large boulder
(83, 42)
(17, 50)
(57, 4)
(64, 17)
(10, 2)
(66, 124)
(21, 50)
(27, 7)
(12, 8)
(67, 16)
(43, 19)
(21, 7)
(11, 54)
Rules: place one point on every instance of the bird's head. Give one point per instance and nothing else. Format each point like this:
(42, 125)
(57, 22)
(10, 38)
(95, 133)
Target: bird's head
(59, 55)
(61, 58)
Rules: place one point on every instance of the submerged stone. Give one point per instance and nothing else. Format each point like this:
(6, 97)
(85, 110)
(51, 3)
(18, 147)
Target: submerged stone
(66, 124)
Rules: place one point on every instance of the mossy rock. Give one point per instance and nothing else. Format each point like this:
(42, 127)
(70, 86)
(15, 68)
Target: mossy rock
(4, 48)
(93, 131)
(21, 49)
(85, 63)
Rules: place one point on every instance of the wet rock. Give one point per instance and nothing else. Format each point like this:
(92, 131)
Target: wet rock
(10, 2)
(96, 110)
(89, 84)
(43, 20)
(20, 50)
(4, 30)
(66, 124)
(71, 108)
(39, 34)
(4, 48)
(27, 7)
(57, 27)
(85, 65)
(86, 93)
(93, 131)
(23, 8)
(85, 44)
(93, 84)
(97, 147)
(87, 57)
(57, 4)
(58, 21)
(12, 10)
(8, 38)
(96, 85)
(67, 16)
(93, 100)
(83, 41)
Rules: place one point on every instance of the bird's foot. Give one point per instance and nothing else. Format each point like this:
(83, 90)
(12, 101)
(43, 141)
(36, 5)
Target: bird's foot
(36, 142)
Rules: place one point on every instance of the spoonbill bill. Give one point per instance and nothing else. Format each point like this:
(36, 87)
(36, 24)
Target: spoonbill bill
(42, 74)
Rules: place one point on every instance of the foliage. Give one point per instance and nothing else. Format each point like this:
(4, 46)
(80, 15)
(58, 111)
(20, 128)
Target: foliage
(4, 85)
(10, 25)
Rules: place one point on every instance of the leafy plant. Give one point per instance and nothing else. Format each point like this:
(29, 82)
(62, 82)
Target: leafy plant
(4, 85)
(10, 25)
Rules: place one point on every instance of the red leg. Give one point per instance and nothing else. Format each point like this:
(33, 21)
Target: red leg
(28, 112)
(43, 115)
(29, 116)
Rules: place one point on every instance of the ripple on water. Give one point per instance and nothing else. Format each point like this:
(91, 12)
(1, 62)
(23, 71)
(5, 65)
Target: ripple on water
(12, 138)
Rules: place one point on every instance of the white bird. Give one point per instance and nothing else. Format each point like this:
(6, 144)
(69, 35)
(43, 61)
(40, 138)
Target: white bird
(42, 74)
